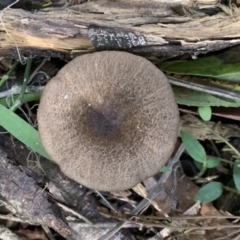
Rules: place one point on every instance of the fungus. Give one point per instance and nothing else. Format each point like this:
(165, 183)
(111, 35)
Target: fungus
(109, 119)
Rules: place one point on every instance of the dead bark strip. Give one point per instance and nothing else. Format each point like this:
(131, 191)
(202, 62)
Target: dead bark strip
(61, 189)
(144, 27)
(27, 200)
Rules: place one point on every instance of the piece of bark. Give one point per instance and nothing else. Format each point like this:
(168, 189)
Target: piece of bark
(23, 3)
(144, 27)
(6, 234)
(29, 202)
(74, 195)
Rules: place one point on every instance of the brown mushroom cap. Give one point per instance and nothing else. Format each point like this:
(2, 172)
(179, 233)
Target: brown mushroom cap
(109, 119)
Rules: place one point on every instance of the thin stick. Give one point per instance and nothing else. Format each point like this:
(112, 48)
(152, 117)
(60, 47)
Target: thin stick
(154, 192)
(203, 88)
(74, 212)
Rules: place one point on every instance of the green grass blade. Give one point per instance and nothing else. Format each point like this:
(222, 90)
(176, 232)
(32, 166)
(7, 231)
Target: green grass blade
(191, 97)
(21, 130)
(224, 66)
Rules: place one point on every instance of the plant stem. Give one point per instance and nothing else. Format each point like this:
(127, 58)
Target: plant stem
(231, 189)
(204, 167)
(28, 97)
(18, 102)
(26, 77)
(6, 76)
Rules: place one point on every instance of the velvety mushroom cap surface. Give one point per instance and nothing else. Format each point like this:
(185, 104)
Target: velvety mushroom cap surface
(109, 120)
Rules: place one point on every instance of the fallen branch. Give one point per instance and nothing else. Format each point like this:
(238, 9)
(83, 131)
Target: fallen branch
(144, 27)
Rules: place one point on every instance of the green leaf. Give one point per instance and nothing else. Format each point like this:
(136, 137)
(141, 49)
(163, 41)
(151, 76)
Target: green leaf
(213, 162)
(238, 102)
(21, 130)
(224, 66)
(4, 78)
(205, 112)
(198, 165)
(191, 97)
(209, 192)
(210, 163)
(164, 169)
(193, 147)
(236, 175)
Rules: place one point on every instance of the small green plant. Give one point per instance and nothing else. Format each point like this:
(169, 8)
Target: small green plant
(21, 130)
(28, 97)
(205, 112)
(223, 66)
(15, 125)
(19, 100)
(209, 192)
(212, 190)
(6, 76)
